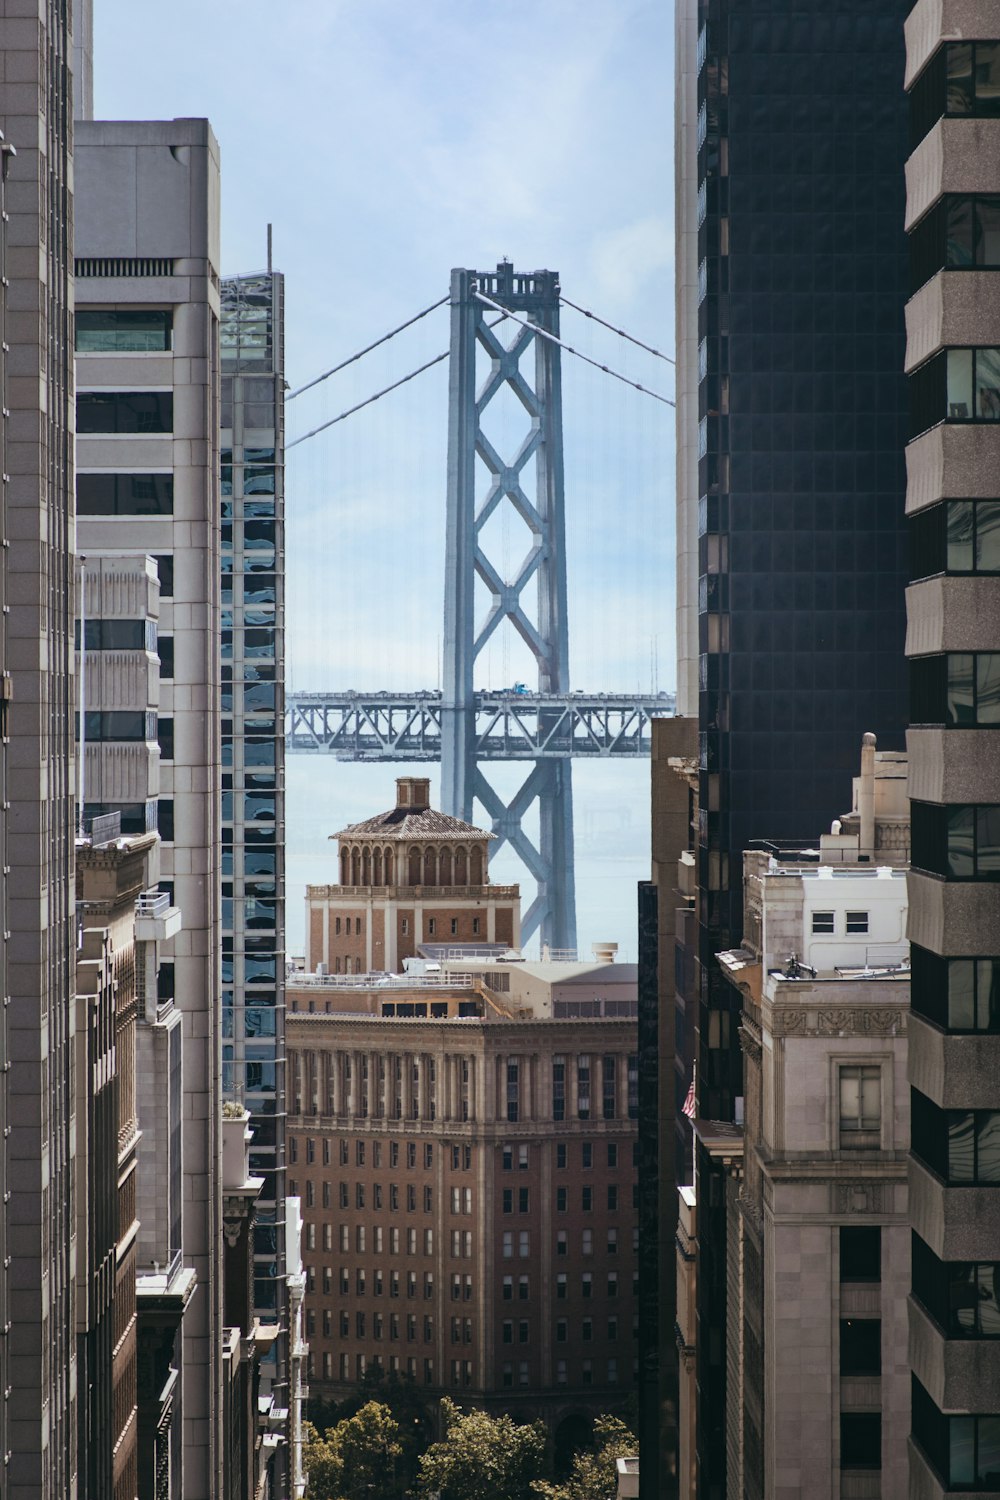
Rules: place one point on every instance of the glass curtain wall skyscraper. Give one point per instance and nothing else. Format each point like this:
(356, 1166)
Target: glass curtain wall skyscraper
(253, 743)
(792, 278)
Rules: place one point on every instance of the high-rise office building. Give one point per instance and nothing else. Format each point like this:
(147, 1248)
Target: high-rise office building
(38, 1391)
(146, 252)
(792, 267)
(253, 754)
(953, 640)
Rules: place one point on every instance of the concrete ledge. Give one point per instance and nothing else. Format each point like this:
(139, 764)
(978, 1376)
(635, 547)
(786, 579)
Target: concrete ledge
(952, 309)
(952, 614)
(959, 1223)
(958, 462)
(932, 21)
(957, 156)
(957, 1072)
(953, 765)
(960, 918)
(955, 1372)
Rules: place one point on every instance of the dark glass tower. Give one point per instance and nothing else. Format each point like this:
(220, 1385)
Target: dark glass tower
(792, 271)
(802, 272)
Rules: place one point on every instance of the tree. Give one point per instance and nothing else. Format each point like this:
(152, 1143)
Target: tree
(356, 1460)
(594, 1475)
(482, 1457)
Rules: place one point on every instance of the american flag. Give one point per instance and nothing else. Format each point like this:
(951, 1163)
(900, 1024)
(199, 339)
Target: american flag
(688, 1107)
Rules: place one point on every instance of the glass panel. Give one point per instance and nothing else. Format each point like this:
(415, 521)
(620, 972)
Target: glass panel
(960, 527)
(988, 385)
(959, 55)
(963, 1297)
(961, 1467)
(988, 841)
(988, 688)
(988, 78)
(960, 833)
(104, 331)
(959, 384)
(987, 1147)
(871, 1109)
(849, 1098)
(988, 1464)
(988, 232)
(986, 1292)
(960, 1148)
(988, 536)
(959, 232)
(960, 704)
(988, 994)
(961, 995)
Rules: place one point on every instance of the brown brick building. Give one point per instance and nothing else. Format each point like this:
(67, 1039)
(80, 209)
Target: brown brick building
(468, 1189)
(408, 876)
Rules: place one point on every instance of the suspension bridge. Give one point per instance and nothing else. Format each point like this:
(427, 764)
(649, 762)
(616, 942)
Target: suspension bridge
(464, 728)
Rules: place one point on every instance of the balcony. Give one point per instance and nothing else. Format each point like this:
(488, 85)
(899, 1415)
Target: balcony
(954, 1372)
(155, 918)
(958, 1223)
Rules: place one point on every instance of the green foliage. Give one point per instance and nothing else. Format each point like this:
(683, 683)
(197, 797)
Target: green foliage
(356, 1460)
(593, 1475)
(482, 1457)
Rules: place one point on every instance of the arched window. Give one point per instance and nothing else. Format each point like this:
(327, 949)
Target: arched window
(345, 867)
(414, 866)
(444, 867)
(355, 866)
(390, 867)
(366, 867)
(377, 867)
(461, 868)
(430, 868)
(476, 867)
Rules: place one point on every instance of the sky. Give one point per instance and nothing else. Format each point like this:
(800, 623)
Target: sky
(387, 143)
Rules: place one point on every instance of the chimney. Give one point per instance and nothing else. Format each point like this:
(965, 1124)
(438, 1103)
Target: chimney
(413, 793)
(866, 796)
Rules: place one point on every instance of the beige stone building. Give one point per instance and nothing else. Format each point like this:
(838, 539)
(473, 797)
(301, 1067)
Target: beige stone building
(408, 876)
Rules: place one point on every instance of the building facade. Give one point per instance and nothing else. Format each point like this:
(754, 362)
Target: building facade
(253, 753)
(408, 877)
(38, 1412)
(147, 348)
(468, 1184)
(953, 640)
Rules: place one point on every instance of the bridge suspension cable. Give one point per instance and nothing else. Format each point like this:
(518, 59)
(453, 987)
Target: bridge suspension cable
(368, 401)
(362, 352)
(620, 332)
(543, 333)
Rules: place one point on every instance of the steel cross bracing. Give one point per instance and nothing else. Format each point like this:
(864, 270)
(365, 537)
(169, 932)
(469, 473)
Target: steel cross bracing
(508, 726)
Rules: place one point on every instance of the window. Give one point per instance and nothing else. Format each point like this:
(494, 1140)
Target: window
(411, 1198)
(454, 926)
(475, 927)
(508, 1200)
(612, 1154)
(560, 1157)
(612, 1197)
(959, 994)
(561, 1246)
(608, 1088)
(856, 921)
(822, 921)
(961, 79)
(522, 1331)
(587, 1330)
(583, 1087)
(860, 1106)
(522, 1200)
(559, 1094)
(612, 1283)
(513, 1089)
(561, 1194)
(960, 690)
(508, 1288)
(411, 1242)
(587, 1285)
(962, 1297)
(960, 843)
(428, 1158)
(560, 1372)
(524, 1243)
(587, 1372)
(129, 412)
(508, 1373)
(960, 233)
(522, 1372)
(428, 1200)
(612, 1242)
(612, 1372)
(861, 1440)
(431, 926)
(522, 1158)
(561, 1327)
(507, 1331)
(587, 1241)
(359, 1153)
(127, 495)
(523, 1288)
(587, 1155)
(964, 1450)
(105, 331)
(860, 1346)
(587, 1199)
(561, 1286)
(508, 1158)
(508, 1244)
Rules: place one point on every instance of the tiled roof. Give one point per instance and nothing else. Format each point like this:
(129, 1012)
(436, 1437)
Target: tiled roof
(400, 825)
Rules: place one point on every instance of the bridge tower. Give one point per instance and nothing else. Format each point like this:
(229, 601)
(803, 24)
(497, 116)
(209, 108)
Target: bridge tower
(535, 600)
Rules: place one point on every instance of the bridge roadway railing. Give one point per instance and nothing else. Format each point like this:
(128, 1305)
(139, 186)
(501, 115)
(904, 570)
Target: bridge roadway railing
(508, 725)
